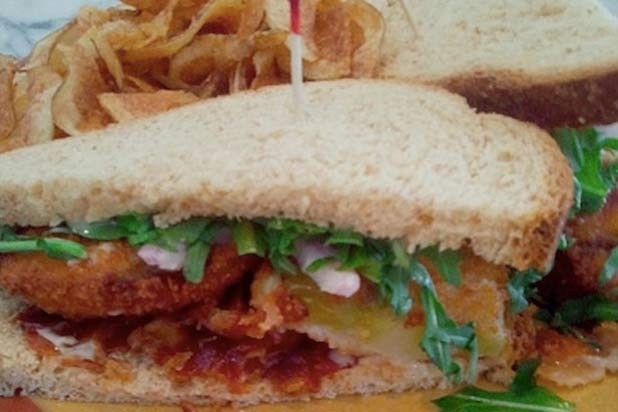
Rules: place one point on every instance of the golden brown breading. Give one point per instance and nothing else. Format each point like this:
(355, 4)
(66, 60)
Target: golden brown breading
(576, 271)
(114, 281)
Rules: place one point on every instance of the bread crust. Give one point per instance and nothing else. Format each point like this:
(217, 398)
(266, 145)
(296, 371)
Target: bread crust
(588, 100)
(417, 164)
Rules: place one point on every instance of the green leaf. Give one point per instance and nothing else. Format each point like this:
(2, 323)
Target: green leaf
(296, 227)
(592, 179)
(394, 287)
(565, 242)
(521, 288)
(446, 263)
(344, 237)
(319, 264)
(247, 239)
(352, 257)
(62, 249)
(107, 229)
(402, 258)
(441, 332)
(610, 268)
(186, 232)
(524, 378)
(135, 222)
(13, 246)
(595, 308)
(522, 396)
(54, 248)
(195, 261)
(6, 233)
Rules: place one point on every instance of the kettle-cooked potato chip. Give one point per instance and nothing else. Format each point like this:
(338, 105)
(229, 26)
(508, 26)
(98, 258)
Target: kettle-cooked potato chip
(8, 66)
(75, 107)
(153, 55)
(123, 107)
(36, 124)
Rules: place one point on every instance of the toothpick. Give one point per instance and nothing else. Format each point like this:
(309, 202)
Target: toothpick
(296, 50)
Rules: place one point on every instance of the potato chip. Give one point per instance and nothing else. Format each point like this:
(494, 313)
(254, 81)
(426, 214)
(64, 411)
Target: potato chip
(8, 66)
(123, 107)
(212, 12)
(251, 17)
(277, 14)
(41, 51)
(20, 93)
(369, 21)
(152, 6)
(111, 60)
(75, 107)
(332, 36)
(267, 71)
(204, 48)
(36, 125)
(158, 27)
(240, 78)
(205, 54)
(87, 18)
(135, 85)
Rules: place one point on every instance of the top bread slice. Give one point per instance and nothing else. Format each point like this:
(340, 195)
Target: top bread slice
(388, 159)
(552, 62)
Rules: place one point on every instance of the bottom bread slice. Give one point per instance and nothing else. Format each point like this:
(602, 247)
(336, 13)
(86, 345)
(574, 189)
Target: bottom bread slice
(23, 370)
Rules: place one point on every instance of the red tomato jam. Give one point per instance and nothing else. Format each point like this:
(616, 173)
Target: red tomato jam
(291, 361)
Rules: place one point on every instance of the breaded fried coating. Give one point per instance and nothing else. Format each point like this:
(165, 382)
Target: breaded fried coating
(113, 281)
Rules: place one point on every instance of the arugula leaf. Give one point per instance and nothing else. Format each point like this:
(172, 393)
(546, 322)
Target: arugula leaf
(394, 286)
(135, 223)
(280, 236)
(112, 229)
(6, 233)
(248, 239)
(344, 237)
(52, 247)
(61, 249)
(565, 242)
(107, 229)
(522, 396)
(446, 263)
(320, 263)
(186, 232)
(595, 308)
(593, 181)
(197, 255)
(521, 288)
(441, 332)
(610, 268)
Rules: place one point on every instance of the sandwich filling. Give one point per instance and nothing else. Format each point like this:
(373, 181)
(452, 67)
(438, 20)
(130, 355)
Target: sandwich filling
(243, 301)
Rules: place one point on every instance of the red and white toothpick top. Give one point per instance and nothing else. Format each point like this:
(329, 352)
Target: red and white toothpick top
(296, 61)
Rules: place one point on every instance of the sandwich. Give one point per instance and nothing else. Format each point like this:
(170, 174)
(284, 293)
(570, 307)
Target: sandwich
(553, 63)
(227, 251)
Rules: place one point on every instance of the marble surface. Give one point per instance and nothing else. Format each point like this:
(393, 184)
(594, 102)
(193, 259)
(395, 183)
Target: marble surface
(23, 22)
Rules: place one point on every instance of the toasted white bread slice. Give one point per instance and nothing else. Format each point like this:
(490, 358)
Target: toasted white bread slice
(387, 159)
(23, 370)
(552, 62)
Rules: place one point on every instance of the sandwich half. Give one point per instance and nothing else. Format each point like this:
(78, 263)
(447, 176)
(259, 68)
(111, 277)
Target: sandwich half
(554, 63)
(227, 251)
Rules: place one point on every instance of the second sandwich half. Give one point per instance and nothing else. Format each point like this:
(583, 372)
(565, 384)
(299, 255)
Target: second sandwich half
(226, 251)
